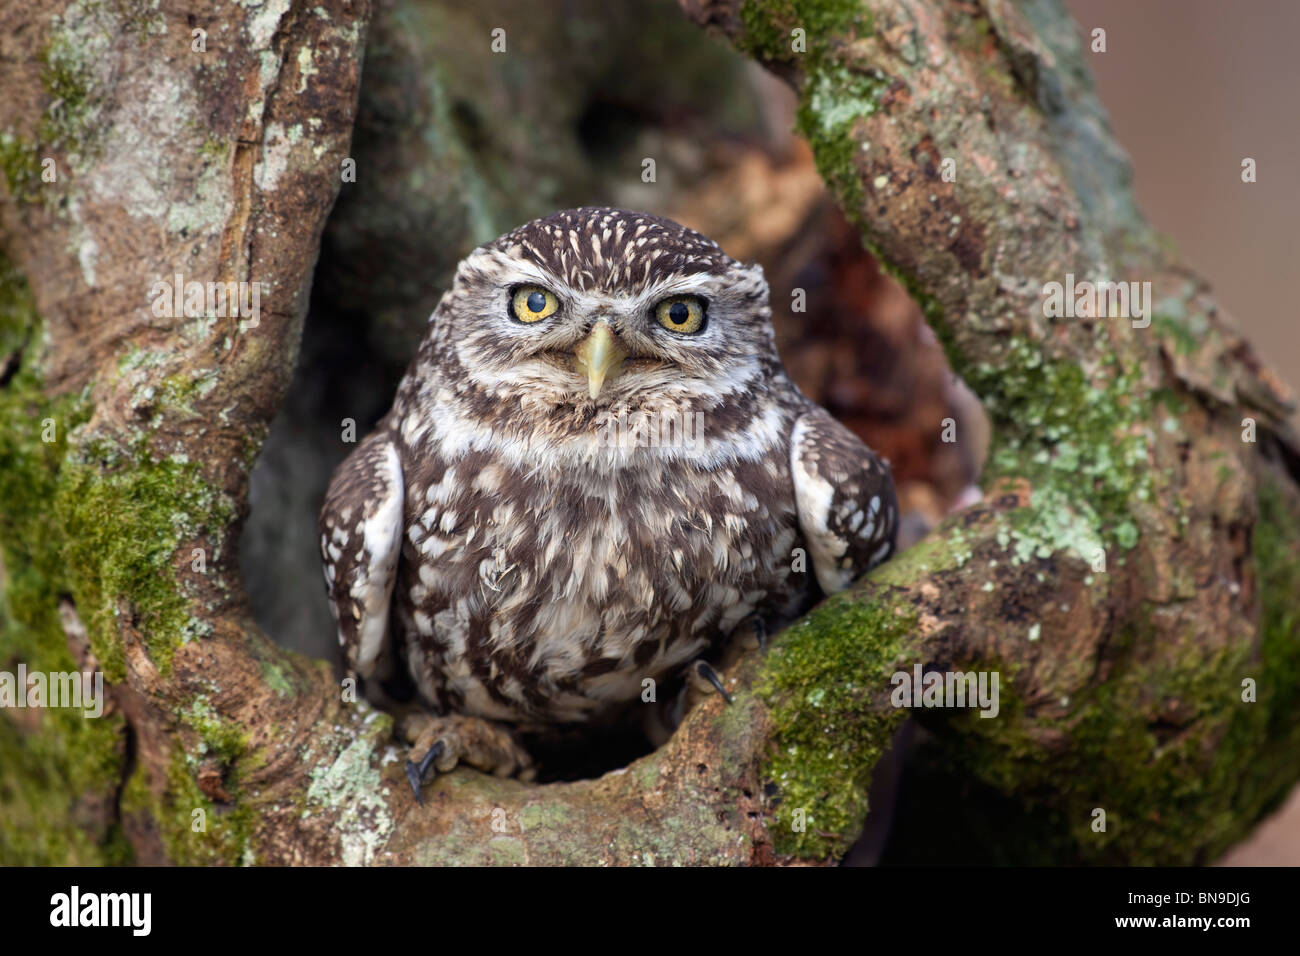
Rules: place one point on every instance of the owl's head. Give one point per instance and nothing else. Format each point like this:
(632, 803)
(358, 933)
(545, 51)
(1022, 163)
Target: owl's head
(604, 307)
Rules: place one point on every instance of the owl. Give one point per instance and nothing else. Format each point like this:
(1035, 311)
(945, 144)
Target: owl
(594, 471)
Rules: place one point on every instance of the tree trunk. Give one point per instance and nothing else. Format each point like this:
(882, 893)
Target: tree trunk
(1131, 567)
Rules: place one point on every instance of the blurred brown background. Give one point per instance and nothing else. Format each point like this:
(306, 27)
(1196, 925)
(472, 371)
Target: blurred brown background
(1193, 87)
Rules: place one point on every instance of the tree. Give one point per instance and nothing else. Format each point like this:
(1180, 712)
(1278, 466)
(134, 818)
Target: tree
(1129, 573)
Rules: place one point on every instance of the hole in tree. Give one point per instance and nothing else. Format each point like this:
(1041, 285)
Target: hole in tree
(849, 335)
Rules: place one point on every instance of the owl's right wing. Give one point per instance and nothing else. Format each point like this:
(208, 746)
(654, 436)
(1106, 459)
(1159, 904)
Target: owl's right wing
(844, 494)
(361, 539)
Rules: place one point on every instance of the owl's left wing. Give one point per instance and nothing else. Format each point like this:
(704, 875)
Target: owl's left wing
(361, 538)
(844, 494)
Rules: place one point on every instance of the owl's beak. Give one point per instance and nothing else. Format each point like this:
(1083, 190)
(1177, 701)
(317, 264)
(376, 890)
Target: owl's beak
(600, 356)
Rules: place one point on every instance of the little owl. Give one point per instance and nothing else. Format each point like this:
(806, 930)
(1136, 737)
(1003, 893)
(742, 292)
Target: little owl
(594, 471)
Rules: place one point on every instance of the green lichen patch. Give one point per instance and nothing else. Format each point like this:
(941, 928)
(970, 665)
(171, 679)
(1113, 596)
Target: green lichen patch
(1074, 441)
(833, 96)
(824, 682)
(1055, 524)
(350, 786)
(835, 99)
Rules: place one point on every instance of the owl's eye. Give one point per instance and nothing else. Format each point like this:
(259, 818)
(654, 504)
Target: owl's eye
(530, 303)
(682, 314)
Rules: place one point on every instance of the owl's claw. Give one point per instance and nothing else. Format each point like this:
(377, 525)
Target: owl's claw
(709, 674)
(749, 636)
(416, 772)
(443, 742)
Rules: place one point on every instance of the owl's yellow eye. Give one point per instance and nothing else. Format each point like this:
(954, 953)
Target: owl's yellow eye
(683, 314)
(531, 303)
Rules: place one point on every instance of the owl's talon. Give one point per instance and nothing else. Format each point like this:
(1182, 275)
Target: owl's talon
(709, 674)
(444, 742)
(416, 773)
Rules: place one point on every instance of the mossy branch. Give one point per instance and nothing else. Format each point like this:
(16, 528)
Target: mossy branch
(1118, 485)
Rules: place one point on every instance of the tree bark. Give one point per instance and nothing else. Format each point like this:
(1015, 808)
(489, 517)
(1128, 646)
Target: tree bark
(1132, 563)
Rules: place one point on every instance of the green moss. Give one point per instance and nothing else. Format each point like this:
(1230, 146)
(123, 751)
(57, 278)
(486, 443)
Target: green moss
(1268, 731)
(67, 79)
(46, 769)
(823, 682)
(1174, 403)
(1162, 802)
(100, 524)
(218, 836)
(1176, 331)
(833, 97)
(20, 163)
(79, 47)
(770, 23)
(1079, 438)
(278, 679)
(119, 518)
(123, 520)
(53, 775)
(1166, 746)
(78, 51)
(221, 739)
(222, 834)
(214, 148)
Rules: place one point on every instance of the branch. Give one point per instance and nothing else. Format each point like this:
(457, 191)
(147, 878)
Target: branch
(1117, 446)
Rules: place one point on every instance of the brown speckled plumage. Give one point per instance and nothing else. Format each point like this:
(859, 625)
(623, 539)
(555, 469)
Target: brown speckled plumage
(534, 571)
